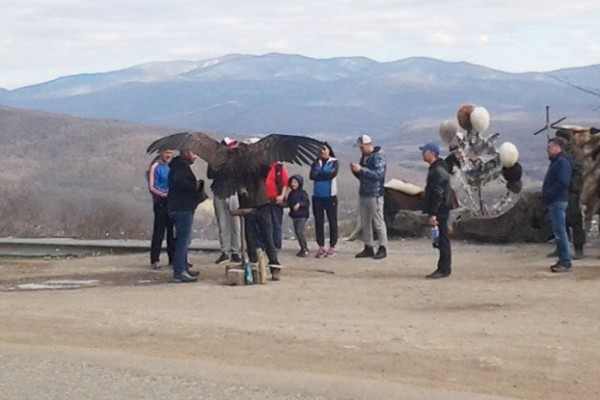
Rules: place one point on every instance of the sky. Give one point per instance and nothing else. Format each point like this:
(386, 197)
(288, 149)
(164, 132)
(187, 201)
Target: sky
(41, 40)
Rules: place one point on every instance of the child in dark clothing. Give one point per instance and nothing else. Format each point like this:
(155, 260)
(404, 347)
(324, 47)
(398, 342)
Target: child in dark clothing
(299, 203)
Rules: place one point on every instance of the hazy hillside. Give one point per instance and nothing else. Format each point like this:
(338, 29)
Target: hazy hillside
(296, 94)
(63, 175)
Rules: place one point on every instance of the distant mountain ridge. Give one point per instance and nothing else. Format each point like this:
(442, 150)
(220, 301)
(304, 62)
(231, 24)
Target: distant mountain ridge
(296, 94)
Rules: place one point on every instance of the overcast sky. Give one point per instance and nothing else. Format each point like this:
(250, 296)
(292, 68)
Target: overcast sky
(44, 39)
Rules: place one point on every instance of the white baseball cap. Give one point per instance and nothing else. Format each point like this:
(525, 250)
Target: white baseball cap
(363, 139)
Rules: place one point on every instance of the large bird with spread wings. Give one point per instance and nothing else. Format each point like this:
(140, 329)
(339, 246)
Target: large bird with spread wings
(242, 164)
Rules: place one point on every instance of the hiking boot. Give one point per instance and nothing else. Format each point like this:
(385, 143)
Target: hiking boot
(302, 253)
(578, 254)
(367, 252)
(155, 265)
(223, 258)
(320, 252)
(330, 252)
(437, 274)
(381, 253)
(184, 278)
(275, 271)
(235, 258)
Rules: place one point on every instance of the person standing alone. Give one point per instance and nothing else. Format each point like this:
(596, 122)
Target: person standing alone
(158, 184)
(437, 206)
(371, 173)
(555, 193)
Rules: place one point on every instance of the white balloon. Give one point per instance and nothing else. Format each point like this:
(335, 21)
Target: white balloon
(509, 154)
(480, 119)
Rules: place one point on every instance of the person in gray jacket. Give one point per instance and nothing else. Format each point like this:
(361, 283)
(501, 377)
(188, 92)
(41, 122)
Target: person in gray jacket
(371, 173)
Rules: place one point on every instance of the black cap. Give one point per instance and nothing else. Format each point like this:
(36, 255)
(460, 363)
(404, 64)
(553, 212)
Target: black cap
(565, 134)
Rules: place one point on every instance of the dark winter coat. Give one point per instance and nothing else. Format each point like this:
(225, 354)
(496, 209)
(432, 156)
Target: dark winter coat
(298, 196)
(557, 180)
(372, 175)
(255, 195)
(576, 156)
(438, 195)
(185, 192)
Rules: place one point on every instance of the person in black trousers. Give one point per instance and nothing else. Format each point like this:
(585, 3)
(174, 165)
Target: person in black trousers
(437, 206)
(323, 172)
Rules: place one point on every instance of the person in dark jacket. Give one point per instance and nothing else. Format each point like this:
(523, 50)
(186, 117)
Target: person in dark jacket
(185, 193)
(555, 194)
(323, 172)
(371, 173)
(574, 212)
(158, 185)
(299, 204)
(437, 206)
(258, 230)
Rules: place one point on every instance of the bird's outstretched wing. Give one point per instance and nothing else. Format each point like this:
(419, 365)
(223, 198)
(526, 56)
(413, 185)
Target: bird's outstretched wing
(287, 148)
(211, 151)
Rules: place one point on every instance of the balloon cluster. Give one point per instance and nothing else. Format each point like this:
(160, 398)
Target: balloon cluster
(476, 156)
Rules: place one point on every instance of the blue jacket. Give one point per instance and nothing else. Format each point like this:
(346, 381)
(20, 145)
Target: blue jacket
(298, 196)
(557, 180)
(324, 174)
(372, 175)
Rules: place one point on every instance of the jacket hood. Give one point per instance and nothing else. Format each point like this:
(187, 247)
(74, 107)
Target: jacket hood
(299, 179)
(178, 162)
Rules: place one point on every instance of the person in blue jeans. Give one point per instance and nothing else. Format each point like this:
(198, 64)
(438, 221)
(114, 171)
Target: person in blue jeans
(555, 193)
(185, 193)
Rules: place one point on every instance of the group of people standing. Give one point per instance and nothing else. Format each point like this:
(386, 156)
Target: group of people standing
(176, 193)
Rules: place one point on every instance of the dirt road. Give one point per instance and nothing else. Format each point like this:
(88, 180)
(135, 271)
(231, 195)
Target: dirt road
(501, 327)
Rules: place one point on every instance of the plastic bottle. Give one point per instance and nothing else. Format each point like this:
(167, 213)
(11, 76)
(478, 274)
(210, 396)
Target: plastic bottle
(435, 236)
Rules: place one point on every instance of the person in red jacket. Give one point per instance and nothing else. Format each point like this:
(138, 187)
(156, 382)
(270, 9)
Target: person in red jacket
(277, 182)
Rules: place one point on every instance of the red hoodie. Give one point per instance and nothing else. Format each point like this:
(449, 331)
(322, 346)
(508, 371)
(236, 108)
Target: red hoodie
(276, 180)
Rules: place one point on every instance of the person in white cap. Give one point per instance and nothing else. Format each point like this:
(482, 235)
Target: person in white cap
(371, 173)
(229, 226)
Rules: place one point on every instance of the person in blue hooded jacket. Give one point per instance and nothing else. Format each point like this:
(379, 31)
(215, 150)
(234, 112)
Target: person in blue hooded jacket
(299, 204)
(555, 194)
(323, 172)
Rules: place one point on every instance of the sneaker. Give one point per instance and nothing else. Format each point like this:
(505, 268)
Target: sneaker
(235, 258)
(367, 252)
(330, 252)
(155, 265)
(559, 268)
(381, 253)
(437, 274)
(320, 253)
(223, 258)
(302, 253)
(193, 273)
(184, 278)
(275, 273)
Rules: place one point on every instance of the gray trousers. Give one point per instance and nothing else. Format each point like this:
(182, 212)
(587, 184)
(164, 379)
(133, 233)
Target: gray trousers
(229, 226)
(299, 228)
(371, 218)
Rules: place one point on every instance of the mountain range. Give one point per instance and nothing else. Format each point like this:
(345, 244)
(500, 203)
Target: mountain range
(296, 94)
